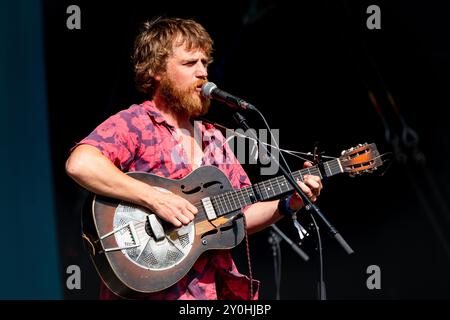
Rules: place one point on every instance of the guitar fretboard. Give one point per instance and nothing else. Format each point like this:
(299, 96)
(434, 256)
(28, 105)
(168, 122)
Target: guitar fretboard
(269, 189)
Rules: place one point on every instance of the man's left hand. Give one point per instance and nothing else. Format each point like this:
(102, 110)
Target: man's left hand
(311, 186)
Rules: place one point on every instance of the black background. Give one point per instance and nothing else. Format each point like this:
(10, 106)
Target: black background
(308, 67)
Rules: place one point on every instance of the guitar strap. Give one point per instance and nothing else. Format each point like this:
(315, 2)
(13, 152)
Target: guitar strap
(250, 273)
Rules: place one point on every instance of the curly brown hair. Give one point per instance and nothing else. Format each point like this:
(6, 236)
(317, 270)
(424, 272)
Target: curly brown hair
(155, 42)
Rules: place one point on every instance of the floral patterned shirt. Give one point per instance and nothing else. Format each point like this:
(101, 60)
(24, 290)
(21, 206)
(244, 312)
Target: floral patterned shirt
(140, 139)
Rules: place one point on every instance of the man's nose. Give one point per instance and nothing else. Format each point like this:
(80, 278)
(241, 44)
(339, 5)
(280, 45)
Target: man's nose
(202, 71)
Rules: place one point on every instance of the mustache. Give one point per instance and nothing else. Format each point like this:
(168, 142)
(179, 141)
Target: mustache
(199, 83)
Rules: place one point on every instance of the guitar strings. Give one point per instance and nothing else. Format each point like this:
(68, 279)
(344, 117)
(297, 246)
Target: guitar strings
(245, 194)
(242, 197)
(236, 199)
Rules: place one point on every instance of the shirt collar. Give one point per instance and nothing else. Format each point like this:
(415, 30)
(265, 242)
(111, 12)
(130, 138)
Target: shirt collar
(153, 112)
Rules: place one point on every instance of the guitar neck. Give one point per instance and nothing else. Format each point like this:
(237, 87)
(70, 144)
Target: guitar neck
(270, 189)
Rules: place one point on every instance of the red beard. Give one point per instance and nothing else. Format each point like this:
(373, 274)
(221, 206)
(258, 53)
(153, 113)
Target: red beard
(187, 101)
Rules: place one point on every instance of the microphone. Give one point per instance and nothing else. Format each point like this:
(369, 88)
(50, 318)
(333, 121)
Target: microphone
(210, 90)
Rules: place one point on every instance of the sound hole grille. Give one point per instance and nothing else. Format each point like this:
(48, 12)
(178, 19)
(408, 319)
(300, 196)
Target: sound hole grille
(184, 240)
(172, 256)
(148, 258)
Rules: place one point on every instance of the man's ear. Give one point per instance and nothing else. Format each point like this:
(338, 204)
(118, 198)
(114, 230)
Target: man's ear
(157, 77)
(154, 75)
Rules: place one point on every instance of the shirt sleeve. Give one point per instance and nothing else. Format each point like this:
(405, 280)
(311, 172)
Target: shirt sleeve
(117, 138)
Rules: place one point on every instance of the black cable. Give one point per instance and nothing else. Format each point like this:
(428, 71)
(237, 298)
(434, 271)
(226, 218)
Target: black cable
(279, 270)
(274, 240)
(321, 285)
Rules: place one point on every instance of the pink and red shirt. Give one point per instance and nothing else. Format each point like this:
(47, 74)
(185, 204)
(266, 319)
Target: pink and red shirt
(140, 139)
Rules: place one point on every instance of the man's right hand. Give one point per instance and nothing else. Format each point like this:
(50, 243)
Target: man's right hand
(171, 207)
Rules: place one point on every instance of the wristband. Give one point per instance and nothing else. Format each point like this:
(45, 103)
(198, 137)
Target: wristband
(284, 208)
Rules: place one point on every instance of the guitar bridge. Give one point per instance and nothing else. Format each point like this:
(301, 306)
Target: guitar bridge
(209, 208)
(132, 231)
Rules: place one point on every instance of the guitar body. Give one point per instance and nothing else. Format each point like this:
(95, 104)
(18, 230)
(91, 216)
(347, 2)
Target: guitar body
(125, 241)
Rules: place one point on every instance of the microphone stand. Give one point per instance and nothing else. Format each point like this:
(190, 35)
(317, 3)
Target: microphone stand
(274, 239)
(276, 236)
(294, 246)
(242, 122)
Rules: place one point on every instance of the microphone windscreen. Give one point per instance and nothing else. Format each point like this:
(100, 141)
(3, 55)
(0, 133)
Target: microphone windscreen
(207, 89)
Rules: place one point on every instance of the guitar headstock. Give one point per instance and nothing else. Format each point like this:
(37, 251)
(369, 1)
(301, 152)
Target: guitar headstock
(364, 158)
